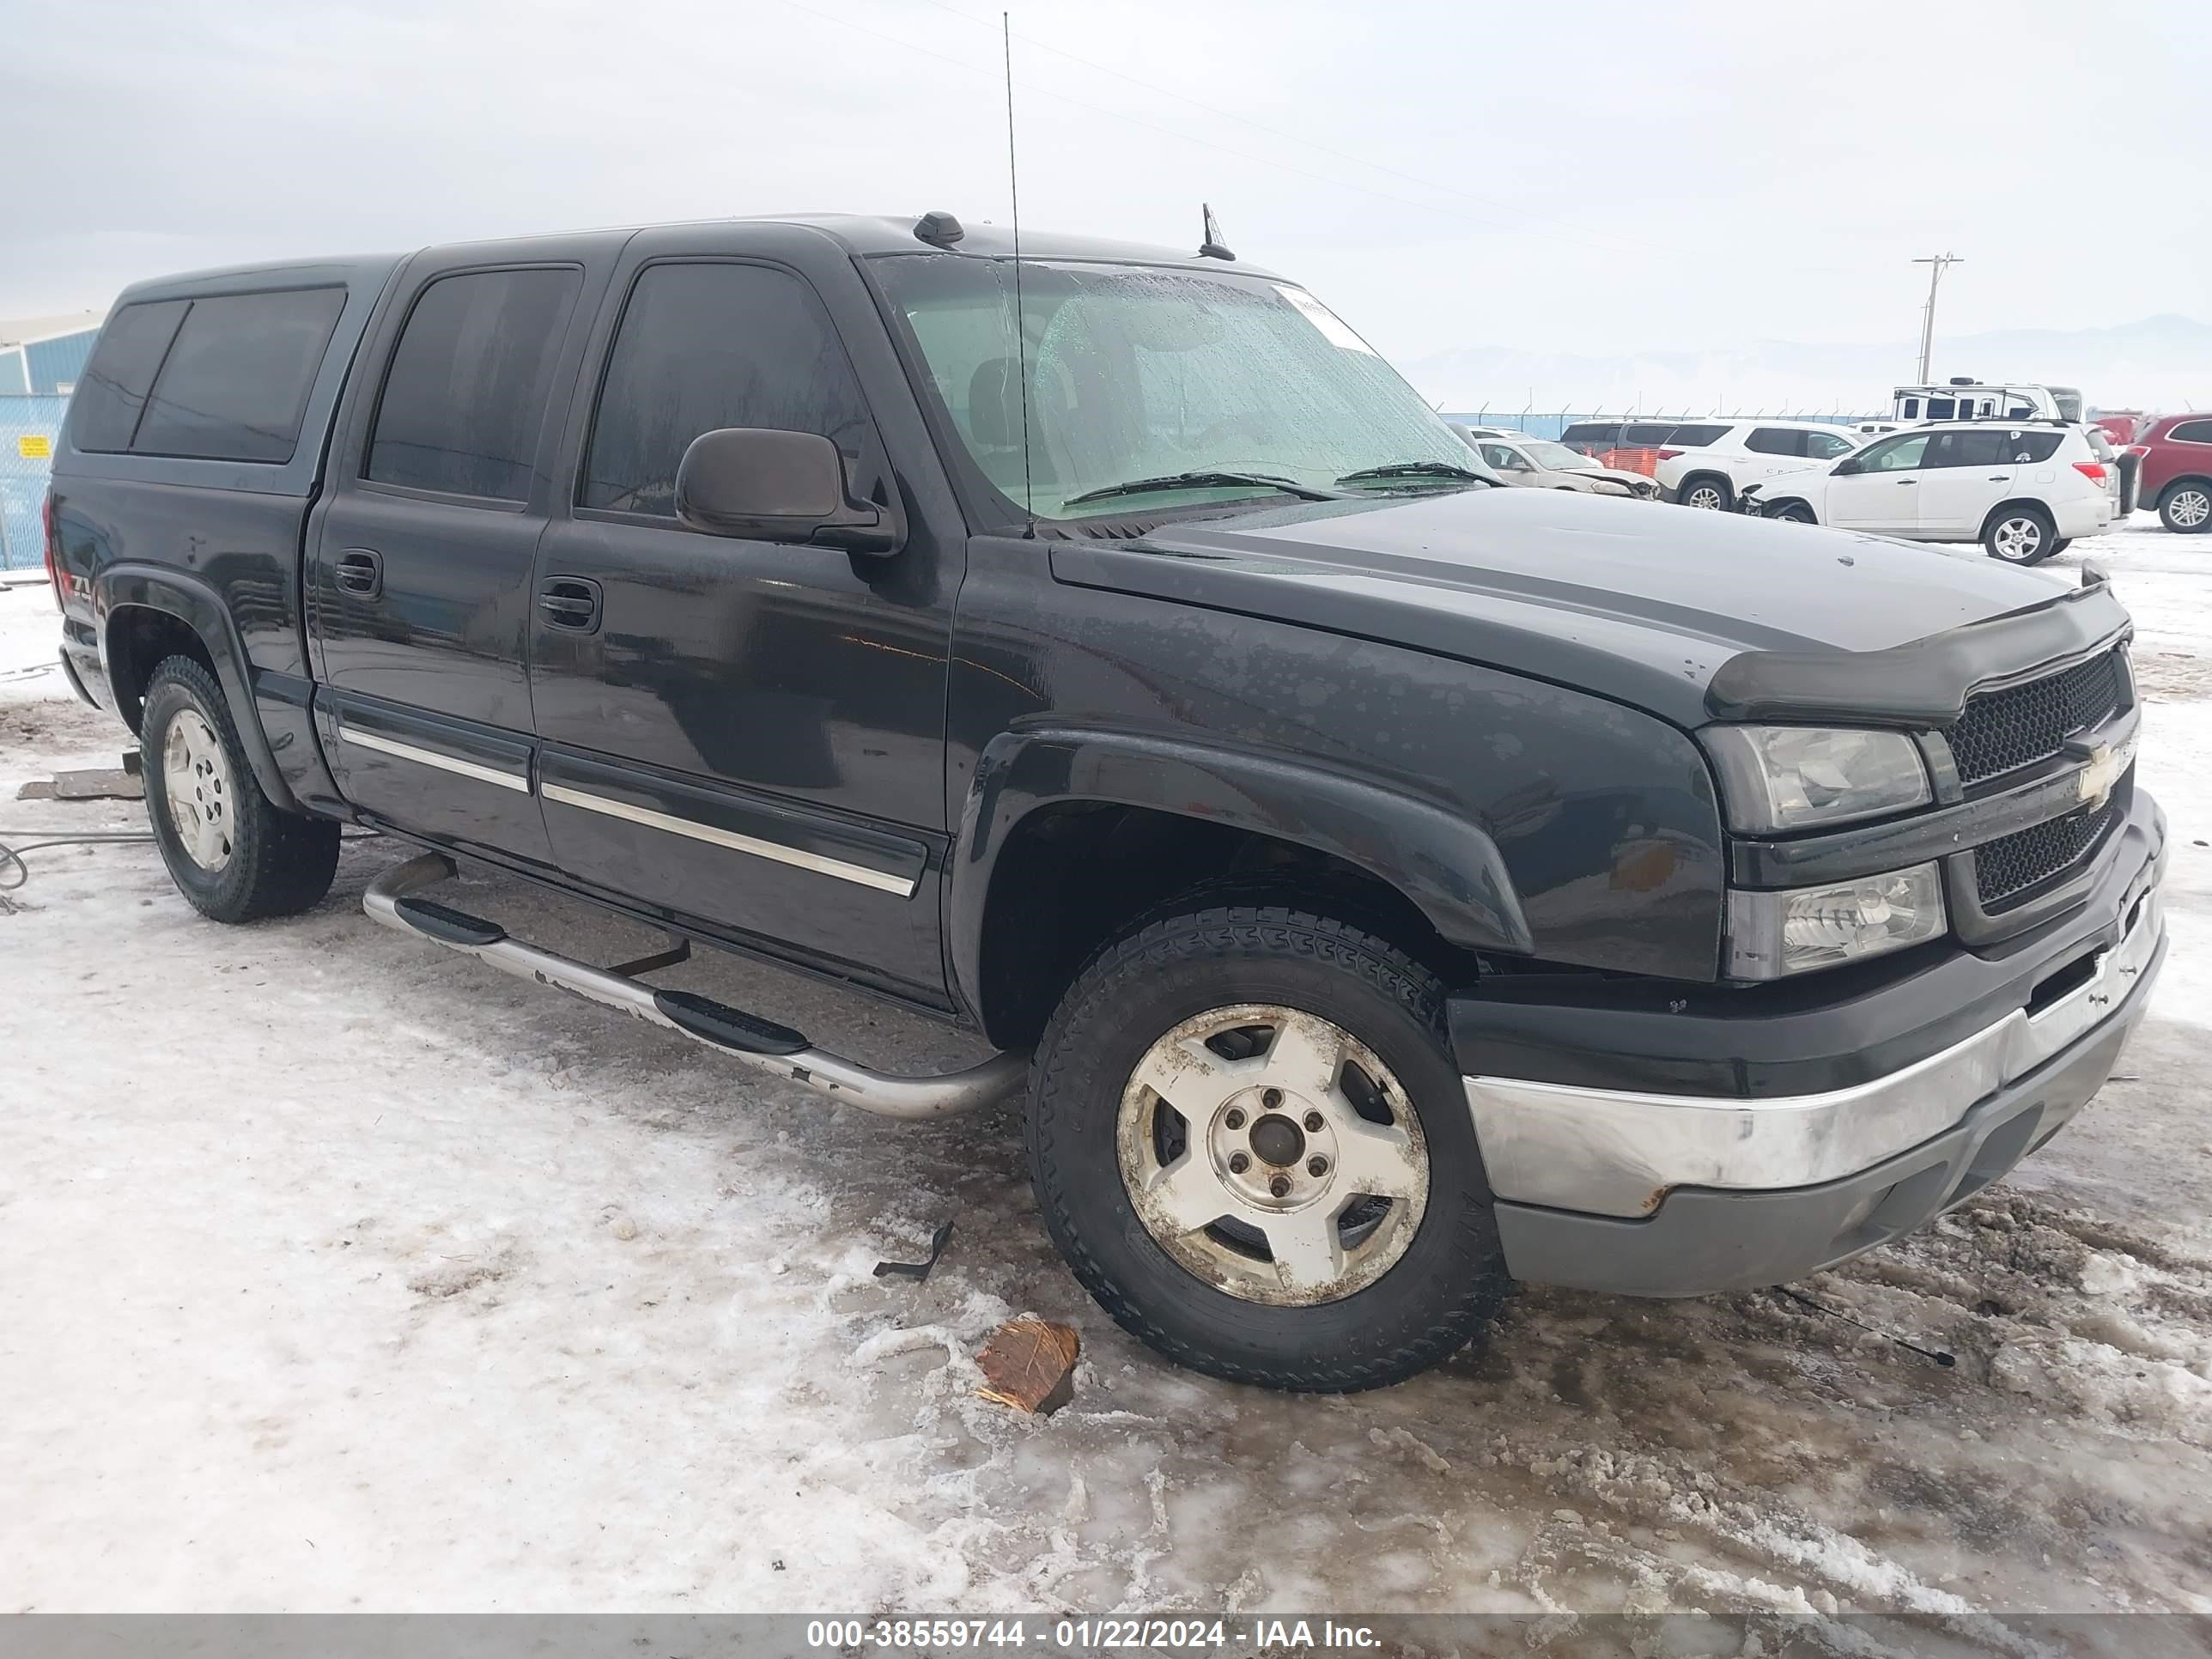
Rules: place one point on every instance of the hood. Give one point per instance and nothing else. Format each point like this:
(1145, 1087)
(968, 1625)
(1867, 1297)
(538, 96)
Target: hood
(1636, 603)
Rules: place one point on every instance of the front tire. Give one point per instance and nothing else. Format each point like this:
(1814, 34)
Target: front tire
(1250, 1142)
(2187, 509)
(234, 855)
(1791, 513)
(2020, 535)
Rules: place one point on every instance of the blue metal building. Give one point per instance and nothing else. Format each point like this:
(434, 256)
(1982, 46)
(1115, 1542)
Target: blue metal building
(43, 356)
(41, 359)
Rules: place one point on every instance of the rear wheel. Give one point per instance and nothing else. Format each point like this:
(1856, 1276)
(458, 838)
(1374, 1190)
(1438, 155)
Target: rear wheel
(1708, 492)
(1250, 1142)
(2020, 535)
(2187, 508)
(234, 855)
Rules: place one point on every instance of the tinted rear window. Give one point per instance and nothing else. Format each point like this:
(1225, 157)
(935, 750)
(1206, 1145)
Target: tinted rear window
(1591, 432)
(1645, 434)
(465, 396)
(2193, 432)
(1696, 437)
(236, 379)
(1775, 440)
(104, 410)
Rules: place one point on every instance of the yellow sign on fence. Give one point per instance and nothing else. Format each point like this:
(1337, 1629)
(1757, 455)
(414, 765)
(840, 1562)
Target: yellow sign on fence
(35, 446)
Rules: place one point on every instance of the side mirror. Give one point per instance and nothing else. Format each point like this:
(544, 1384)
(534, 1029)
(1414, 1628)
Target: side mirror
(1848, 464)
(768, 485)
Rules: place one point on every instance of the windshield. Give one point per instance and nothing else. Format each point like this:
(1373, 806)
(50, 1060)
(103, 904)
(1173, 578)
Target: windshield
(1559, 458)
(1143, 374)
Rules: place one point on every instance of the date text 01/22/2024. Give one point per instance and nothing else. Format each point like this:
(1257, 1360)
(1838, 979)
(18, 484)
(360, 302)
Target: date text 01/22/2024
(941, 1635)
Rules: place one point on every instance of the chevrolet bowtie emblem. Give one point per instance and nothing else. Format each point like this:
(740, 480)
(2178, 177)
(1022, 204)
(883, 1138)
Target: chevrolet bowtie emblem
(2103, 771)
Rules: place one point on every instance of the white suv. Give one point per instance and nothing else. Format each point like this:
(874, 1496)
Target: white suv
(2023, 491)
(1727, 457)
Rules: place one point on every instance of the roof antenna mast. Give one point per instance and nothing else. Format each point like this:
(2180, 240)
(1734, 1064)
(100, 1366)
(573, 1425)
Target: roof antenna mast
(1021, 329)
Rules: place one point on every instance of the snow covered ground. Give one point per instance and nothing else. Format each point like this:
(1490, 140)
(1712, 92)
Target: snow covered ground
(337, 1272)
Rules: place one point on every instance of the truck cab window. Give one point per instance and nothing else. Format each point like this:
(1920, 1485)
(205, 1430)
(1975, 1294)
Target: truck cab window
(704, 346)
(464, 399)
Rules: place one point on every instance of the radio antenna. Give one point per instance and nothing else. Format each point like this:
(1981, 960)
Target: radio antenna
(1021, 329)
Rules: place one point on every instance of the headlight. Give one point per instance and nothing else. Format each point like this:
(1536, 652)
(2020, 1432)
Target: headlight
(1794, 777)
(1771, 934)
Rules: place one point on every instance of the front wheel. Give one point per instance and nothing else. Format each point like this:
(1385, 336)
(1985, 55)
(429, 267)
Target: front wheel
(2187, 508)
(2020, 535)
(1251, 1144)
(1791, 513)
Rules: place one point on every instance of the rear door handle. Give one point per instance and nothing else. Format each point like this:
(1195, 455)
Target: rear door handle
(2000, 477)
(571, 603)
(360, 570)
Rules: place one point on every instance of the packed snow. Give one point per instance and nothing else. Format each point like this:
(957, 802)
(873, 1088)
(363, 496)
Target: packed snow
(341, 1273)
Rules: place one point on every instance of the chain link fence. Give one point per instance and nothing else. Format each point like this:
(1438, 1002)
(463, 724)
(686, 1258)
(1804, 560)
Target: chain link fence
(30, 428)
(1536, 424)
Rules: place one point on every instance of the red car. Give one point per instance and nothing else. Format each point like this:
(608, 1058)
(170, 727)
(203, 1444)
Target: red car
(2176, 475)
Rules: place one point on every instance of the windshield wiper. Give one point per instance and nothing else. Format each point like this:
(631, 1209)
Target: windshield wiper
(1412, 470)
(1201, 480)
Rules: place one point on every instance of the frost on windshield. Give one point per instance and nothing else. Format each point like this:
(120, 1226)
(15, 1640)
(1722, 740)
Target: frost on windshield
(1143, 372)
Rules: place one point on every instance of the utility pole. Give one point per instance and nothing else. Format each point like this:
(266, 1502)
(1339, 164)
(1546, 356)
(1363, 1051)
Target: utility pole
(1937, 264)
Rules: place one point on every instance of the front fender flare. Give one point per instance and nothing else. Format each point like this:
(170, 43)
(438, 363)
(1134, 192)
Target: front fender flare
(1442, 860)
(196, 604)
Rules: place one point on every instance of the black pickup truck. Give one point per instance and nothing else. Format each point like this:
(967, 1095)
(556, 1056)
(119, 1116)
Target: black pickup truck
(1386, 886)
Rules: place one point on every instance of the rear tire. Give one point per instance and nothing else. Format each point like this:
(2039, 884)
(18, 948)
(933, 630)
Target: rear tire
(2187, 508)
(1706, 491)
(234, 855)
(1377, 1255)
(2020, 535)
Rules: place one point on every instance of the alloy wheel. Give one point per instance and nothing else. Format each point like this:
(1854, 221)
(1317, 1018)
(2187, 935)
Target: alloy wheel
(1271, 1154)
(196, 781)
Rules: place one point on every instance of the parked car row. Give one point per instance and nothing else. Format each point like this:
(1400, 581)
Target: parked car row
(2063, 474)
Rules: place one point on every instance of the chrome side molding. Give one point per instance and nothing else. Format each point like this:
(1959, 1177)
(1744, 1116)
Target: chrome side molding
(742, 1037)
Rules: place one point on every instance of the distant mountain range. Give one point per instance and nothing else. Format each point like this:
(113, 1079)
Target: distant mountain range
(2158, 363)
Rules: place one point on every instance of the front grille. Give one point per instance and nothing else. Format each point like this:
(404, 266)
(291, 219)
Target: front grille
(2003, 731)
(2012, 864)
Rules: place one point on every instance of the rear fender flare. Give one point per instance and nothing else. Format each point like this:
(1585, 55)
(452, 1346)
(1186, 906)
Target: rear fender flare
(1440, 860)
(122, 587)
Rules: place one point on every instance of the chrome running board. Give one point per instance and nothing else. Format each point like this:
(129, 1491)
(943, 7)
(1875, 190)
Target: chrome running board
(393, 899)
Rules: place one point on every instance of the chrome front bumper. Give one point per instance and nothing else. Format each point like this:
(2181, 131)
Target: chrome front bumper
(1611, 1153)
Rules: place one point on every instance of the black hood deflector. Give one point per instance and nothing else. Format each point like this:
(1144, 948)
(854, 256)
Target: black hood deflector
(1924, 683)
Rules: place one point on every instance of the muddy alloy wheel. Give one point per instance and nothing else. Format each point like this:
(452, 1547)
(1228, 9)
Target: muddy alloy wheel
(196, 775)
(2188, 509)
(1250, 1141)
(1263, 1150)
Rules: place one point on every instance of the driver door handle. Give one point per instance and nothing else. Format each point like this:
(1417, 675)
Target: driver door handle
(359, 571)
(571, 603)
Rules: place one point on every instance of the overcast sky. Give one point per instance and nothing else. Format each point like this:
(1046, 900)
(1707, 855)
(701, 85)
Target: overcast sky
(1571, 177)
